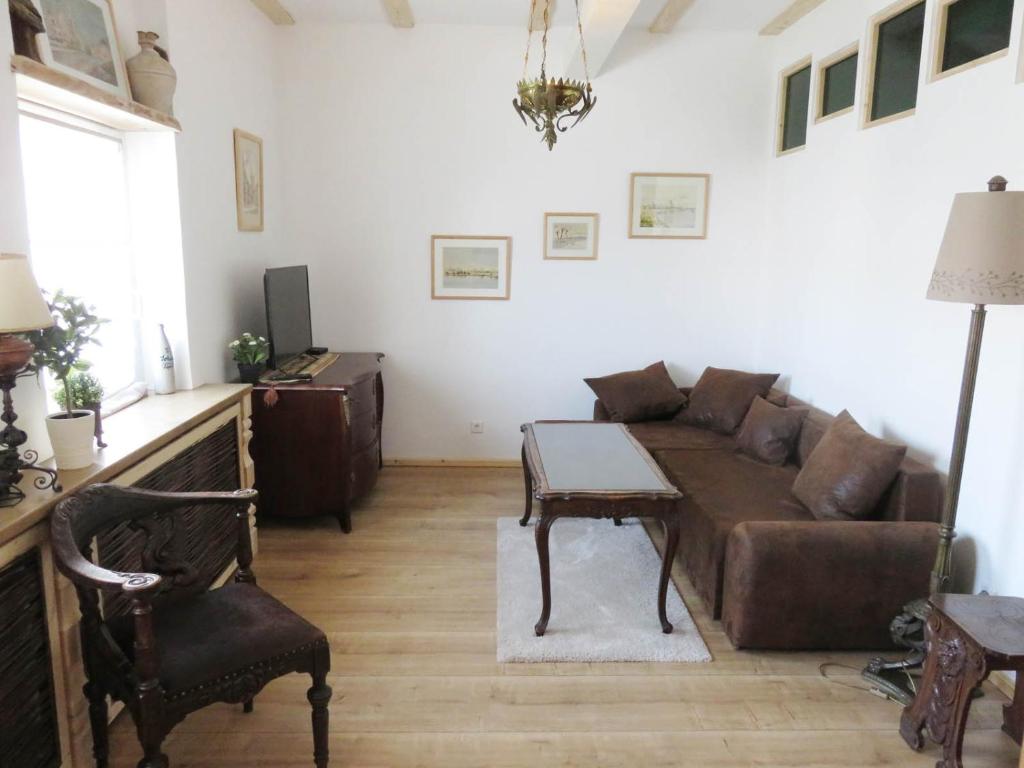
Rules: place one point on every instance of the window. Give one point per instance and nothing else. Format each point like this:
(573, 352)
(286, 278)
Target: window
(971, 32)
(794, 105)
(896, 63)
(80, 235)
(837, 83)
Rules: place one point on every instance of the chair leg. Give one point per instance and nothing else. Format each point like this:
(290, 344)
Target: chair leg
(247, 706)
(151, 739)
(320, 696)
(97, 698)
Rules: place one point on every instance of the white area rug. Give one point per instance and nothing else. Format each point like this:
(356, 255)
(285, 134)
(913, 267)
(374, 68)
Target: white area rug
(604, 596)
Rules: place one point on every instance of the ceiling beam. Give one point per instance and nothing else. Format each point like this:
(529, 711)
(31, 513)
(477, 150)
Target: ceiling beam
(537, 19)
(399, 13)
(789, 16)
(274, 11)
(602, 28)
(670, 15)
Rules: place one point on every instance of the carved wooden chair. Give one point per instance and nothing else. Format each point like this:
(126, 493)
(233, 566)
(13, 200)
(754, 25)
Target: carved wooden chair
(183, 646)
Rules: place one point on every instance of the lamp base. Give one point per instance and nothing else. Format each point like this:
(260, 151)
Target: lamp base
(894, 678)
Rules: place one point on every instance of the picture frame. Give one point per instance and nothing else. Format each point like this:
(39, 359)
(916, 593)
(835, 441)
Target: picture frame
(470, 267)
(669, 206)
(81, 41)
(248, 181)
(571, 236)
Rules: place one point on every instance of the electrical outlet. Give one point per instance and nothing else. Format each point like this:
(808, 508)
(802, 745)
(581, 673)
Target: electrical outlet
(476, 427)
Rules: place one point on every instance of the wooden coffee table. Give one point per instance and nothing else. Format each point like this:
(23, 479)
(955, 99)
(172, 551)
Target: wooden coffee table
(598, 470)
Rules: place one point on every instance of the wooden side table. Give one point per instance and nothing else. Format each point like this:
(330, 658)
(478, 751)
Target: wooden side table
(966, 638)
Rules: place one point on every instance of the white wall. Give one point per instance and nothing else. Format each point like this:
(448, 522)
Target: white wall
(227, 75)
(855, 221)
(395, 135)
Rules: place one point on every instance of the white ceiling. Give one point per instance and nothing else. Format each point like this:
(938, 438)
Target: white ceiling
(745, 15)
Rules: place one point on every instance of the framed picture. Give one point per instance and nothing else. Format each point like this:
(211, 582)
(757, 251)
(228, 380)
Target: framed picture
(470, 267)
(669, 205)
(570, 235)
(80, 41)
(249, 181)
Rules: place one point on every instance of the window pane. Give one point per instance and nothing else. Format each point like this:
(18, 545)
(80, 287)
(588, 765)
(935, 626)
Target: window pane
(975, 28)
(840, 86)
(80, 236)
(898, 63)
(798, 95)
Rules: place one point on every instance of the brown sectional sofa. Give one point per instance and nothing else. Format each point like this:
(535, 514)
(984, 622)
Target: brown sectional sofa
(777, 577)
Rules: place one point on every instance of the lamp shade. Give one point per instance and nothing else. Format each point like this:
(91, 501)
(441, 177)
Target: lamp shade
(981, 260)
(22, 307)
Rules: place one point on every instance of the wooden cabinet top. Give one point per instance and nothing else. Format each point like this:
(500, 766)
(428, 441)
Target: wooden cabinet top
(348, 370)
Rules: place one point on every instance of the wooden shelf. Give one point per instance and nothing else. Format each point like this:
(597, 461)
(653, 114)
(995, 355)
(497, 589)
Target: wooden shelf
(42, 85)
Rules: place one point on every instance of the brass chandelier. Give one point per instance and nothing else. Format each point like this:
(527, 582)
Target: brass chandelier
(553, 106)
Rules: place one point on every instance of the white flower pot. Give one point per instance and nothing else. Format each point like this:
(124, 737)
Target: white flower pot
(72, 439)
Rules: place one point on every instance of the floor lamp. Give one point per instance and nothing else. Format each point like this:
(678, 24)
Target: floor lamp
(22, 309)
(980, 262)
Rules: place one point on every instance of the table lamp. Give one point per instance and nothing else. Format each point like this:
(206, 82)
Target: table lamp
(980, 262)
(22, 309)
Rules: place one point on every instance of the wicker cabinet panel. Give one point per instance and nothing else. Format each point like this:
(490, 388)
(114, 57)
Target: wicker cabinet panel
(29, 737)
(208, 535)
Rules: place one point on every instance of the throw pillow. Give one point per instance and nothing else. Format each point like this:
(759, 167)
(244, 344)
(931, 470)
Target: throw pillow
(639, 395)
(769, 433)
(721, 398)
(847, 472)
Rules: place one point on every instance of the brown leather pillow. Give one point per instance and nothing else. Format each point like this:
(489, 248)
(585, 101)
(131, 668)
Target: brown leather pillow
(635, 396)
(769, 433)
(847, 472)
(721, 398)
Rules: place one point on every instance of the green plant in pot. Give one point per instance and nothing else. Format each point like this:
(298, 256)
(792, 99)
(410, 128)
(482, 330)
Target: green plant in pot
(250, 353)
(86, 393)
(59, 350)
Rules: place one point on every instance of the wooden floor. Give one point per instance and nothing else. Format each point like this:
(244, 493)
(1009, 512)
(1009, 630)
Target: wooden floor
(408, 601)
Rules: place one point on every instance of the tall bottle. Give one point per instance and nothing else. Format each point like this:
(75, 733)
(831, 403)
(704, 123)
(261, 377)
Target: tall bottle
(164, 384)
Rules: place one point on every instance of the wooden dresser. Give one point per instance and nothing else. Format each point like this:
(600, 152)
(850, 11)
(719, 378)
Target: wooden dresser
(189, 441)
(316, 445)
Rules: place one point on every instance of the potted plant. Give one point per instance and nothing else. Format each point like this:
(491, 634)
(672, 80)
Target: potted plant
(86, 393)
(250, 353)
(59, 349)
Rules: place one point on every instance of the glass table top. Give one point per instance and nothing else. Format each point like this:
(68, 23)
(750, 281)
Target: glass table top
(589, 456)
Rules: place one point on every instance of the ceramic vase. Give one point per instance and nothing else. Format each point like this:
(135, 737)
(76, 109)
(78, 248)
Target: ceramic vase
(72, 438)
(164, 384)
(152, 77)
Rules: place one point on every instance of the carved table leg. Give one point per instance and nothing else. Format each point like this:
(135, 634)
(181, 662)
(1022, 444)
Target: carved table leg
(541, 533)
(1013, 713)
(671, 544)
(529, 491)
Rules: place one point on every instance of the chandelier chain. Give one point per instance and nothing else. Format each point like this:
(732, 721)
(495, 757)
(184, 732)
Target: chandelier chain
(583, 46)
(529, 38)
(544, 40)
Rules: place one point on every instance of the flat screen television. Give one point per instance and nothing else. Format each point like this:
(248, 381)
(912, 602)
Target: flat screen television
(289, 326)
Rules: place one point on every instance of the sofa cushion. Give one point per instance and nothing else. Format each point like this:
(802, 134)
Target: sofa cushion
(769, 433)
(673, 435)
(721, 398)
(847, 472)
(721, 490)
(635, 396)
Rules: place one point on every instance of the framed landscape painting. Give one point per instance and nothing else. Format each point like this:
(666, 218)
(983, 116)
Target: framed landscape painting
(570, 235)
(80, 41)
(464, 267)
(669, 205)
(249, 181)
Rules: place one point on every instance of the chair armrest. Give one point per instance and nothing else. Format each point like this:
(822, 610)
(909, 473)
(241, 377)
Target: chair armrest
(823, 584)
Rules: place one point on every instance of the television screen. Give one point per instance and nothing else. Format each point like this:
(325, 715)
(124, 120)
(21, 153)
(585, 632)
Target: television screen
(289, 327)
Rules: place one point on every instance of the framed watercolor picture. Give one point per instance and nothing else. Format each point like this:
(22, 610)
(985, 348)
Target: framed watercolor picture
(669, 205)
(570, 235)
(80, 41)
(470, 267)
(249, 181)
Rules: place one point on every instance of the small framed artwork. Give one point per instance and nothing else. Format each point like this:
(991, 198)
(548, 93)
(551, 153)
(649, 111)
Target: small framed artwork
(81, 41)
(669, 205)
(570, 235)
(249, 181)
(464, 267)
